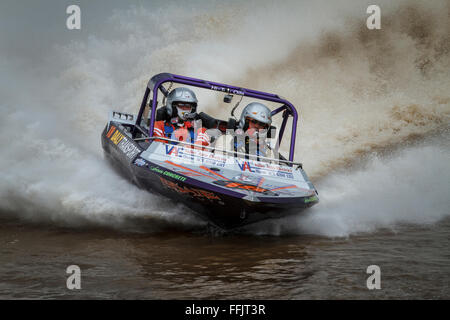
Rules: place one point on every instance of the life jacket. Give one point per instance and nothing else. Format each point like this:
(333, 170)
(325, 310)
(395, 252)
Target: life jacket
(186, 132)
(179, 133)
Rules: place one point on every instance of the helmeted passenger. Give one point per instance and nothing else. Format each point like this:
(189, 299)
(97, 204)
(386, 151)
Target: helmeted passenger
(253, 126)
(182, 110)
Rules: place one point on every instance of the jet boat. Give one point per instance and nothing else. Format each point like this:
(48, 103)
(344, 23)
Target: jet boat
(228, 189)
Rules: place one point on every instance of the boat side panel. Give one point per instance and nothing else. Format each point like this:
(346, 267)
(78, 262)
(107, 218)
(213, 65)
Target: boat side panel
(223, 210)
(119, 148)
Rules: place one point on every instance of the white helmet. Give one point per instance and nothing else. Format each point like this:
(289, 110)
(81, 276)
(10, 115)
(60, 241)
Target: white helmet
(256, 111)
(184, 95)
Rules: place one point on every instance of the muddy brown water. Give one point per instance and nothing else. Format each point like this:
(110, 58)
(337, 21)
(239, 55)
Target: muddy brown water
(174, 264)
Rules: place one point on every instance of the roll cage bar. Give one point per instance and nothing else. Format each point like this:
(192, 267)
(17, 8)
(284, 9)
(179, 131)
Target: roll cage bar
(158, 80)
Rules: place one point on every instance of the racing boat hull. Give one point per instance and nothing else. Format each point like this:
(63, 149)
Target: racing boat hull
(228, 193)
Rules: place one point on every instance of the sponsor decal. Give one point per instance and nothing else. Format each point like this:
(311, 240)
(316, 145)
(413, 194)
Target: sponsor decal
(117, 137)
(140, 162)
(156, 169)
(174, 175)
(169, 150)
(311, 199)
(244, 186)
(285, 175)
(110, 132)
(268, 166)
(193, 192)
(126, 145)
(168, 174)
(223, 89)
(194, 155)
(265, 169)
(244, 166)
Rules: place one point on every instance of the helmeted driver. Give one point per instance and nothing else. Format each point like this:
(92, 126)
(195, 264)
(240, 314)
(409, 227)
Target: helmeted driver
(182, 109)
(254, 123)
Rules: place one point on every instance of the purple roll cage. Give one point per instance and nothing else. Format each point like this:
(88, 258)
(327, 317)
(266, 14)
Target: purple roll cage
(158, 80)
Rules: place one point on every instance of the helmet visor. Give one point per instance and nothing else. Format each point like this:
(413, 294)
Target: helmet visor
(188, 106)
(258, 124)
